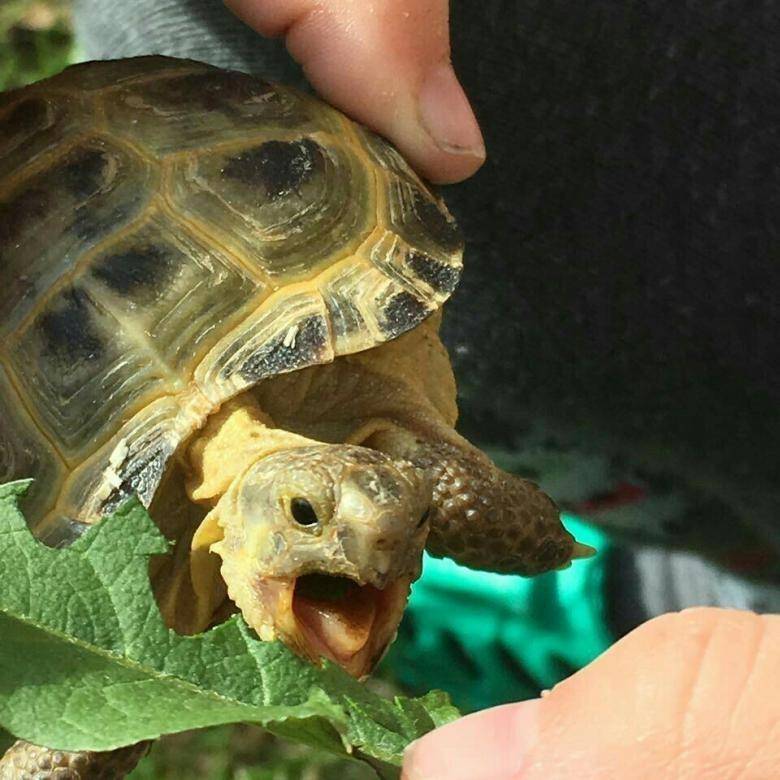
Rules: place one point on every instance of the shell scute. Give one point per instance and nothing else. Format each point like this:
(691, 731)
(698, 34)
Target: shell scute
(287, 208)
(289, 332)
(25, 452)
(106, 74)
(34, 126)
(174, 287)
(81, 370)
(133, 463)
(191, 110)
(50, 220)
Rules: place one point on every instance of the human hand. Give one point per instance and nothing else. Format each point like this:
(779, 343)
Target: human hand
(385, 63)
(694, 694)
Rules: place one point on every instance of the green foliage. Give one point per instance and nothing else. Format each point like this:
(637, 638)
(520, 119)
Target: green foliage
(86, 661)
(35, 40)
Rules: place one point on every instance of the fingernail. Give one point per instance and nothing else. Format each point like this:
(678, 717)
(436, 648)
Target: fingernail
(488, 745)
(446, 114)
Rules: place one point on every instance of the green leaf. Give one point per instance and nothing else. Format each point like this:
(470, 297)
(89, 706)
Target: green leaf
(87, 663)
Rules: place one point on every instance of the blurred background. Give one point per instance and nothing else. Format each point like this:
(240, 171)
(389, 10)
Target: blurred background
(35, 40)
(483, 638)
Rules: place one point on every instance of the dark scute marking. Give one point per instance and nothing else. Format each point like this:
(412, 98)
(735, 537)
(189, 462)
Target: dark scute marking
(307, 350)
(279, 167)
(137, 270)
(213, 91)
(142, 479)
(442, 228)
(90, 224)
(402, 313)
(29, 206)
(64, 532)
(26, 116)
(84, 176)
(442, 278)
(67, 330)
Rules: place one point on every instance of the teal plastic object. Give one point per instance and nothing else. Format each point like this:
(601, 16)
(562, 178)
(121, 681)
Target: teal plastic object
(488, 639)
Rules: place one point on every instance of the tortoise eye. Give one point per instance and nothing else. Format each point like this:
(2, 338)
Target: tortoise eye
(425, 518)
(303, 512)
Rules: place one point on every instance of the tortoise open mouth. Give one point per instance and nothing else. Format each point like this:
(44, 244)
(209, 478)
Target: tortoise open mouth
(346, 622)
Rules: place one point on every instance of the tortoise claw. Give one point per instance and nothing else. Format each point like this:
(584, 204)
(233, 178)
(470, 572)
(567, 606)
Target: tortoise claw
(580, 550)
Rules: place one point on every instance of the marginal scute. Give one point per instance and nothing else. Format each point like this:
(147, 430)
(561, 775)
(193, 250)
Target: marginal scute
(133, 461)
(440, 277)
(288, 332)
(302, 345)
(402, 312)
(433, 222)
(421, 220)
(387, 157)
(421, 275)
(25, 453)
(34, 125)
(190, 111)
(342, 296)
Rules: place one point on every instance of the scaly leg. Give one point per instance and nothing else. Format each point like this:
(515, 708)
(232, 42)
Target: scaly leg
(483, 517)
(23, 761)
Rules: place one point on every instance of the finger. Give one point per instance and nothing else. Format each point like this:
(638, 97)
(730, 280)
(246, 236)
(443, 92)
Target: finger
(688, 695)
(385, 63)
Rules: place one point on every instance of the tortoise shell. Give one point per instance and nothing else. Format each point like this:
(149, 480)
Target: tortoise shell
(171, 234)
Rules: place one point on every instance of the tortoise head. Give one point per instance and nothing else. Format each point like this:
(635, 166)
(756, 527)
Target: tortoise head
(320, 545)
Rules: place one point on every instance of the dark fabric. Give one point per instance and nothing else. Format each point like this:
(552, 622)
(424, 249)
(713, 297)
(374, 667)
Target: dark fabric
(624, 245)
(616, 328)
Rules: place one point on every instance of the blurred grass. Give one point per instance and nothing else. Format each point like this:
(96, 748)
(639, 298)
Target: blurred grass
(242, 753)
(35, 40)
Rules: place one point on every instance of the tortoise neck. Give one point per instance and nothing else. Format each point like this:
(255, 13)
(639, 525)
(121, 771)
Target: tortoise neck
(232, 440)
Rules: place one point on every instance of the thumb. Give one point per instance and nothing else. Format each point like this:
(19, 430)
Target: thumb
(385, 63)
(688, 695)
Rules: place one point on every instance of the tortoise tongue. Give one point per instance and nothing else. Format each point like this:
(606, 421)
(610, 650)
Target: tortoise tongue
(337, 628)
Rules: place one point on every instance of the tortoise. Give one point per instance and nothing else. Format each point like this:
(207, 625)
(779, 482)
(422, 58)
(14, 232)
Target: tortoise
(223, 296)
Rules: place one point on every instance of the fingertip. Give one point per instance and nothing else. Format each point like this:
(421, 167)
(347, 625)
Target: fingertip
(446, 116)
(385, 64)
(486, 745)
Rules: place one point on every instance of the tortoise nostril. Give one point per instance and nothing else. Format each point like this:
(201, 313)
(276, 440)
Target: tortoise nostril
(303, 512)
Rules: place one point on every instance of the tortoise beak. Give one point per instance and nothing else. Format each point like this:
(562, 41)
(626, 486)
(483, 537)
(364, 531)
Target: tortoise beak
(336, 618)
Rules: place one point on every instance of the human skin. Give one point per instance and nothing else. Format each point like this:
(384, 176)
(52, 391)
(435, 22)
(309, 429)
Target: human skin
(386, 63)
(690, 695)
(687, 695)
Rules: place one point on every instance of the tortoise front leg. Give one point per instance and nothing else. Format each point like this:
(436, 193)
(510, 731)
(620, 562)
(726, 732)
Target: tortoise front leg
(484, 517)
(24, 760)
